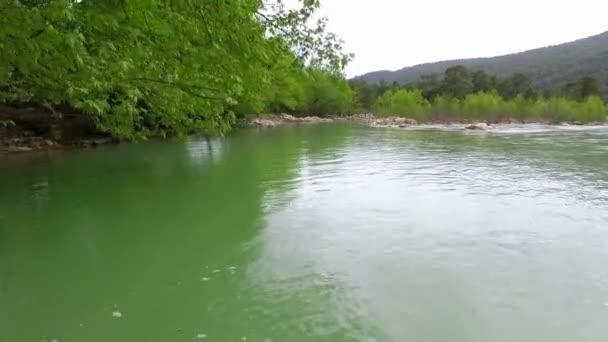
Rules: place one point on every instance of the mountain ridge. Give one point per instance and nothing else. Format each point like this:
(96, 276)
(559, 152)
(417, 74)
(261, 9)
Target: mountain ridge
(548, 67)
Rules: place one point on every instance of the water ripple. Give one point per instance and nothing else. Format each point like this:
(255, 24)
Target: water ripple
(437, 226)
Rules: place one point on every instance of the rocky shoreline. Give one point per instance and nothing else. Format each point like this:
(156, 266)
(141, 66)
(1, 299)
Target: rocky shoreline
(32, 128)
(35, 128)
(272, 120)
(27, 144)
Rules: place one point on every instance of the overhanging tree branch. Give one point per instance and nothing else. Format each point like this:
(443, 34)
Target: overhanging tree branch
(183, 87)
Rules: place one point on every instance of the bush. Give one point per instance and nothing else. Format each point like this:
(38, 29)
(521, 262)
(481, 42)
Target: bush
(403, 102)
(484, 106)
(490, 107)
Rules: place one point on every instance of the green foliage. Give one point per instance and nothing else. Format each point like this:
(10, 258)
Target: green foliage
(160, 67)
(590, 86)
(403, 102)
(490, 107)
(309, 91)
(513, 86)
(430, 85)
(7, 123)
(327, 94)
(482, 106)
(457, 82)
(592, 109)
(444, 106)
(482, 81)
(365, 94)
(582, 88)
(462, 95)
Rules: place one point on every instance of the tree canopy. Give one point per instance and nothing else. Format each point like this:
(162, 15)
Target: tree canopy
(462, 94)
(149, 67)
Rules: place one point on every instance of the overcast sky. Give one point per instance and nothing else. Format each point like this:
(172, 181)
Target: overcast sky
(391, 34)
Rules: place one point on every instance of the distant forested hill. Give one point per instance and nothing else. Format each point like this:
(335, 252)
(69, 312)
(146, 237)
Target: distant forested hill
(548, 67)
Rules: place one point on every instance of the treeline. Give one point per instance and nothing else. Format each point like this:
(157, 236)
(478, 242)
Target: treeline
(548, 67)
(142, 68)
(490, 107)
(304, 92)
(462, 94)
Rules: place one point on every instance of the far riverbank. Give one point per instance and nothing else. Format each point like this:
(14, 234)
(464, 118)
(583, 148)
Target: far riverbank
(34, 128)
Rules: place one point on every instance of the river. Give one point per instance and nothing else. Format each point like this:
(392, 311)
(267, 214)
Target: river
(311, 233)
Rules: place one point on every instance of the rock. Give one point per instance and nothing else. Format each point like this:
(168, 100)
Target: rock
(307, 119)
(404, 121)
(315, 119)
(288, 118)
(264, 123)
(394, 121)
(56, 132)
(480, 126)
(49, 143)
(364, 118)
(410, 121)
(18, 148)
(96, 142)
(16, 141)
(270, 120)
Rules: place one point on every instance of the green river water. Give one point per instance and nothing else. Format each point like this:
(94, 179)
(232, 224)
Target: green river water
(311, 233)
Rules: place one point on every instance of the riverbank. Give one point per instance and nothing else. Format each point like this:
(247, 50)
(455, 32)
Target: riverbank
(370, 119)
(31, 128)
(274, 120)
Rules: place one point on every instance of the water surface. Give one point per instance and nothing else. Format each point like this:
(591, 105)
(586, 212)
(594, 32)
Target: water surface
(311, 233)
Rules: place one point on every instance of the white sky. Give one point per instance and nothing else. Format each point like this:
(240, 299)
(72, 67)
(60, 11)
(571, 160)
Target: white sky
(392, 34)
